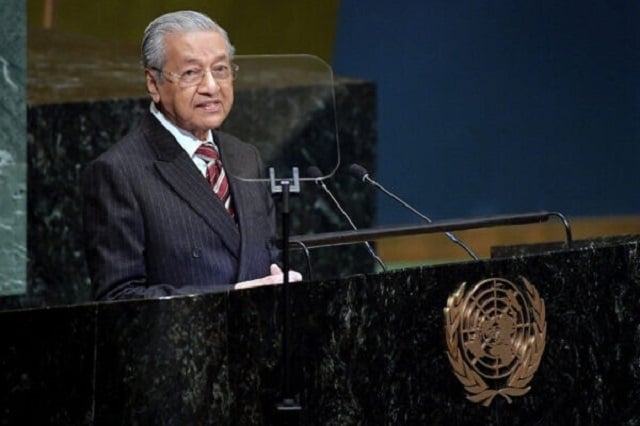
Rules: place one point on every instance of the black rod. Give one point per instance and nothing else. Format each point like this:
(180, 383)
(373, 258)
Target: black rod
(348, 237)
(286, 314)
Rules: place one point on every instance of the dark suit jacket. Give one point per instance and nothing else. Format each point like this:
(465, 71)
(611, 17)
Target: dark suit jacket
(153, 226)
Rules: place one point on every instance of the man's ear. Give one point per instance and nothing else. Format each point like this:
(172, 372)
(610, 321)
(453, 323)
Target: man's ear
(152, 85)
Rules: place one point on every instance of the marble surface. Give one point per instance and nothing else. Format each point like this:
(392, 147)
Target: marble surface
(67, 68)
(365, 350)
(13, 168)
(55, 384)
(528, 249)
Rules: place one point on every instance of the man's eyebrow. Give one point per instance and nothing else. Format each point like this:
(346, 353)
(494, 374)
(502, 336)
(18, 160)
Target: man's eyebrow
(194, 60)
(222, 57)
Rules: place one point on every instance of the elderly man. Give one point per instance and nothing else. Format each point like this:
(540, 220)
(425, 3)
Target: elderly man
(163, 212)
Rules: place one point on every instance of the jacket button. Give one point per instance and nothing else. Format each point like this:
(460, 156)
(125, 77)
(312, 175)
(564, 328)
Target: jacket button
(196, 253)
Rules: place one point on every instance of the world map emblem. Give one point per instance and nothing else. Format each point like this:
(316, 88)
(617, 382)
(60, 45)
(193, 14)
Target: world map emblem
(495, 335)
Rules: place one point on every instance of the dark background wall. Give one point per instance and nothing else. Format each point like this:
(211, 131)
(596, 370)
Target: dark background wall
(255, 26)
(494, 106)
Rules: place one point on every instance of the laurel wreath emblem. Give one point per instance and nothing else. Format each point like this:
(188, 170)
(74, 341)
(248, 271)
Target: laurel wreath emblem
(528, 354)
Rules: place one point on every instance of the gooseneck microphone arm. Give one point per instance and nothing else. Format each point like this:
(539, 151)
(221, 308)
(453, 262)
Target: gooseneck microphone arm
(315, 173)
(361, 173)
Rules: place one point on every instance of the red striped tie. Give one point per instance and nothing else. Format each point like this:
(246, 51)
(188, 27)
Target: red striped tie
(215, 174)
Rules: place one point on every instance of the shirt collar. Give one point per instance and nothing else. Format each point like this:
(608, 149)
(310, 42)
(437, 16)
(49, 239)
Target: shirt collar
(185, 139)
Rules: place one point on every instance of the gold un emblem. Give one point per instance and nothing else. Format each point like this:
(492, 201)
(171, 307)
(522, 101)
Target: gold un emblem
(495, 337)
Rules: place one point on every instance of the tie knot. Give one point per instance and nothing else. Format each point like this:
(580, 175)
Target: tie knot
(207, 152)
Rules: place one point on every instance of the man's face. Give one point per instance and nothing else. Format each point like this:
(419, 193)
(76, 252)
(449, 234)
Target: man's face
(202, 106)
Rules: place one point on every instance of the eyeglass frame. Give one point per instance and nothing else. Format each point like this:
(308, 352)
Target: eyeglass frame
(233, 71)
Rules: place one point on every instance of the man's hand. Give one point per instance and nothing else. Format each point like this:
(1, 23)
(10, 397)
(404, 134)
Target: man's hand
(276, 276)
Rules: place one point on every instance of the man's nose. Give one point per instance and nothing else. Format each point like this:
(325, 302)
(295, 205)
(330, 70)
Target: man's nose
(209, 82)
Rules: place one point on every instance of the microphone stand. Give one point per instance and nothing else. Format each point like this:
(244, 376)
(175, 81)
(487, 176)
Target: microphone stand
(287, 408)
(353, 226)
(449, 235)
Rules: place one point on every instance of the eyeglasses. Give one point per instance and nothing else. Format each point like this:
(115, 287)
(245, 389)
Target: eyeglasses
(194, 76)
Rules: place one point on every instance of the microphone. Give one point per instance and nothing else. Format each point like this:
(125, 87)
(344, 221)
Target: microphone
(362, 174)
(315, 173)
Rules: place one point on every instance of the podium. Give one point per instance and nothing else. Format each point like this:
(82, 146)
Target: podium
(367, 349)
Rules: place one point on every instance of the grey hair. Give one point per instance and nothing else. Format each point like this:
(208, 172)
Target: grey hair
(153, 51)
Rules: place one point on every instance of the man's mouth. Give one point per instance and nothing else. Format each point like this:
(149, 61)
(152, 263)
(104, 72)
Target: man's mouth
(213, 106)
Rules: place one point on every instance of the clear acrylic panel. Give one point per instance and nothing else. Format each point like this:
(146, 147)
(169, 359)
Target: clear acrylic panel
(285, 106)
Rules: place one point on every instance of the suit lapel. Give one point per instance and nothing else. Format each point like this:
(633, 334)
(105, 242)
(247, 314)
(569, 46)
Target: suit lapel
(248, 198)
(179, 172)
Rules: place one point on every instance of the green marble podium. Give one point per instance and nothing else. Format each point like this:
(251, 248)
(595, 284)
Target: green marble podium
(13, 148)
(367, 349)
